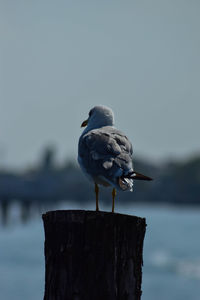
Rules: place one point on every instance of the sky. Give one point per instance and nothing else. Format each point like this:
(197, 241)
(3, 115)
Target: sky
(58, 59)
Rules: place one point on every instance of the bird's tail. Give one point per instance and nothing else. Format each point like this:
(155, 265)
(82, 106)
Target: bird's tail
(138, 176)
(126, 182)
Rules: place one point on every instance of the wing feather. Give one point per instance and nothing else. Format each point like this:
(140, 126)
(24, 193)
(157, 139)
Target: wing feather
(105, 151)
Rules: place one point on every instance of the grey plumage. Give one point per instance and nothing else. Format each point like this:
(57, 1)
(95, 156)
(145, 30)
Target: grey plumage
(105, 153)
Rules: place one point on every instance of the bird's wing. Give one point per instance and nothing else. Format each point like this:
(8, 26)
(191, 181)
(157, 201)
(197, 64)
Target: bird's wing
(105, 151)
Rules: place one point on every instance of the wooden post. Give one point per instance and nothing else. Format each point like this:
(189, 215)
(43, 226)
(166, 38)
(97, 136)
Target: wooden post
(93, 255)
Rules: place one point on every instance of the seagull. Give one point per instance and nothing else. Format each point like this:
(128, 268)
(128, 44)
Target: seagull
(105, 154)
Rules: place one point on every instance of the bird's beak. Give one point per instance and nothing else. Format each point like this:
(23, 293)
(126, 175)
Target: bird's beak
(84, 123)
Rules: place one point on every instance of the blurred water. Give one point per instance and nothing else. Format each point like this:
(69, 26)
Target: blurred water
(171, 255)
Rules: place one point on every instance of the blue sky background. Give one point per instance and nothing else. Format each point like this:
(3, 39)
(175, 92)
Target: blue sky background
(60, 58)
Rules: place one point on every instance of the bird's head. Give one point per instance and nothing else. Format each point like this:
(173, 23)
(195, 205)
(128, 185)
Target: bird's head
(99, 116)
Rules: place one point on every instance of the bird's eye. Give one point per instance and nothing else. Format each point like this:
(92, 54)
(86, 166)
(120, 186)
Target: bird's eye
(90, 113)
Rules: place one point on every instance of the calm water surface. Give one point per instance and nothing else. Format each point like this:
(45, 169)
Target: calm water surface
(171, 255)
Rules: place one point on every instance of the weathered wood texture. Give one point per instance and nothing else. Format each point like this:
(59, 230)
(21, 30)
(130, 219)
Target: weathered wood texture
(93, 255)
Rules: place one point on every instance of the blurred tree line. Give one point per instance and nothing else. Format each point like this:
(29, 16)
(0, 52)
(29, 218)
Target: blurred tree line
(174, 182)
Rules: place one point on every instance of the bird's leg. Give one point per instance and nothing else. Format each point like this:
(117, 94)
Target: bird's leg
(113, 199)
(97, 196)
